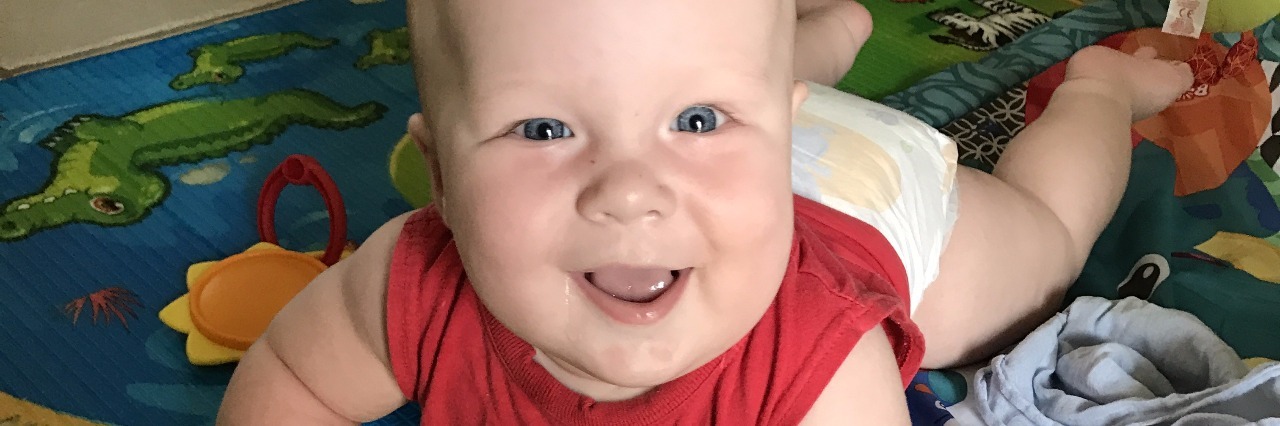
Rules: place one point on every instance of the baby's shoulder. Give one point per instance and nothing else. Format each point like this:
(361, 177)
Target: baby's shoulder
(372, 260)
(842, 244)
(408, 236)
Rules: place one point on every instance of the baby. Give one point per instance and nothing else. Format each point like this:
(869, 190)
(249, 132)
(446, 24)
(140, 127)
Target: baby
(615, 240)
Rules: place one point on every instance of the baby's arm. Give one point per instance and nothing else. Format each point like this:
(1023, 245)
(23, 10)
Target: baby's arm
(829, 34)
(324, 358)
(866, 389)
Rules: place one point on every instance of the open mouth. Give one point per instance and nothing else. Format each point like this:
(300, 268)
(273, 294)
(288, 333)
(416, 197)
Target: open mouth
(634, 295)
(634, 285)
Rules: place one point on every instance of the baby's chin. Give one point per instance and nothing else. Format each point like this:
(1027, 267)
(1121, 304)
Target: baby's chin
(623, 376)
(645, 377)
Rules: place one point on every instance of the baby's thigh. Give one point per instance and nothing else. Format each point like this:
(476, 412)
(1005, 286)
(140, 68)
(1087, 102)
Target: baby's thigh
(1004, 272)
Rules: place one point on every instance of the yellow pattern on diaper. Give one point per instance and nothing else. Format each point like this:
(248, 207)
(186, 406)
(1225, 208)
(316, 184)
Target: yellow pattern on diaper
(951, 154)
(862, 173)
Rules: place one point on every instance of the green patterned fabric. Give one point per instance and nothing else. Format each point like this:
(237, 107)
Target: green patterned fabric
(907, 45)
(945, 96)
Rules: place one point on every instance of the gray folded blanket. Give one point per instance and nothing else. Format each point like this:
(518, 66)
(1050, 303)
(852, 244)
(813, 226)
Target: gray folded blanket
(1127, 362)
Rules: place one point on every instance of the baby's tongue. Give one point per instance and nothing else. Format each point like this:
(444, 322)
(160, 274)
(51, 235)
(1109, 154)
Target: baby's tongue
(640, 285)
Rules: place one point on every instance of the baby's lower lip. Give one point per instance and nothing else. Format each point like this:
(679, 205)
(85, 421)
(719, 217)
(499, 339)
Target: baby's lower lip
(634, 313)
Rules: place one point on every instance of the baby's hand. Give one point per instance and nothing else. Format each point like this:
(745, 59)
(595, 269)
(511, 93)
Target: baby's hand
(1147, 84)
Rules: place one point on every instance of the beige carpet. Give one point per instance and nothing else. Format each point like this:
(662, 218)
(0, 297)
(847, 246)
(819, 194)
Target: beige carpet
(36, 34)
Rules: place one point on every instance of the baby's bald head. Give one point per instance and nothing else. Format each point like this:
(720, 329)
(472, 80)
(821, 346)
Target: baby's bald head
(458, 46)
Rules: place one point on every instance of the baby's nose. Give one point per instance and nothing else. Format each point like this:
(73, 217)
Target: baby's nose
(625, 194)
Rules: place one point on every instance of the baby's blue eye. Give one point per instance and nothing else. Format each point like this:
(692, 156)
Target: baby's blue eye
(698, 119)
(543, 129)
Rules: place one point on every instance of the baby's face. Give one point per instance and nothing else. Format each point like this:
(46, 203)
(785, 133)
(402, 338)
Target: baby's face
(616, 174)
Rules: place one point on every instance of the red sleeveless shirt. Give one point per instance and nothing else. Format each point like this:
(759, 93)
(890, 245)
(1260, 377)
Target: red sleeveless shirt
(449, 354)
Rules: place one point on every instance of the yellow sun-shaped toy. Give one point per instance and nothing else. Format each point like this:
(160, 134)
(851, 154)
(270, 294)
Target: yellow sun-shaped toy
(230, 302)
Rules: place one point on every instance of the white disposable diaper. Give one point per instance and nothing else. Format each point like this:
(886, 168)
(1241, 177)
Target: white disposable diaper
(883, 167)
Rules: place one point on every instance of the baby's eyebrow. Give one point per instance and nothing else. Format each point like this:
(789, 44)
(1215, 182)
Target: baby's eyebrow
(752, 78)
(497, 97)
(491, 112)
(505, 100)
(498, 90)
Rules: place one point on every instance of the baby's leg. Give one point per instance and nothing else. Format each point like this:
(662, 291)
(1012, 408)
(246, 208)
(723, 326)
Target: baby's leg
(829, 34)
(1023, 233)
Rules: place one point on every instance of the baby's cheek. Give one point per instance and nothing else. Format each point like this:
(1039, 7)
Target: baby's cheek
(741, 167)
(754, 189)
(746, 217)
(509, 191)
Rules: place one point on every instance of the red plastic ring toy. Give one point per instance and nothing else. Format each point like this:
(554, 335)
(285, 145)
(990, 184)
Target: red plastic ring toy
(303, 170)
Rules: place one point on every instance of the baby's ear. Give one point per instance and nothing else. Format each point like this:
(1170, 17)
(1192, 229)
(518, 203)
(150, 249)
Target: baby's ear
(799, 93)
(422, 138)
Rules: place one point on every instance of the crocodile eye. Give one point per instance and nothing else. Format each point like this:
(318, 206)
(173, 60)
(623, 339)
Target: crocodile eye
(106, 205)
(218, 76)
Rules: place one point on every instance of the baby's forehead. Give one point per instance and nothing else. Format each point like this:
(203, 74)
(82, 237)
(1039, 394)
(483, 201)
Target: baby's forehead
(466, 50)
(460, 27)
(462, 9)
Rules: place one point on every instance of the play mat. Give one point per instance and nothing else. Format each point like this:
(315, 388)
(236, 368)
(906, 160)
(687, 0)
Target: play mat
(1198, 228)
(120, 171)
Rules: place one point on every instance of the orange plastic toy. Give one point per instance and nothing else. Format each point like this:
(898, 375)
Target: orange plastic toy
(230, 302)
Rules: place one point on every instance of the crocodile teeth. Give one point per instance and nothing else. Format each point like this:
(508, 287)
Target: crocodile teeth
(69, 191)
(49, 199)
(51, 144)
(24, 206)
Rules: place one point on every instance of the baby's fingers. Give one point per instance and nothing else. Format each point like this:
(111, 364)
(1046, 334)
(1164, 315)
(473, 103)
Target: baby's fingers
(1184, 69)
(1181, 72)
(1185, 76)
(1146, 52)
